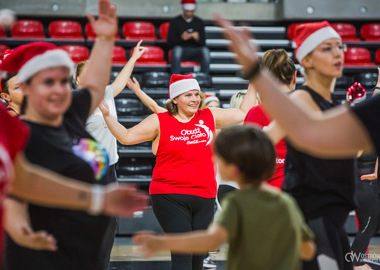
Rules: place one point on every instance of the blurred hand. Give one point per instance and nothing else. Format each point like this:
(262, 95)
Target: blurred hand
(240, 43)
(186, 36)
(123, 200)
(371, 176)
(148, 242)
(134, 85)
(138, 51)
(104, 108)
(106, 25)
(195, 35)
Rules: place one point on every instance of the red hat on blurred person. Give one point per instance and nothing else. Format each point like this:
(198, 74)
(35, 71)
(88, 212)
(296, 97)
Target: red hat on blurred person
(209, 98)
(188, 4)
(31, 58)
(309, 35)
(180, 84)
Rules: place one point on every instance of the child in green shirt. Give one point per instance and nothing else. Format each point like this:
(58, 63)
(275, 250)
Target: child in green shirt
(264, 227)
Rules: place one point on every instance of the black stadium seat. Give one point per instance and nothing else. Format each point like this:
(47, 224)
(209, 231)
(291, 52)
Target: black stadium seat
(368, 79)
(128, 107)
(203, 79)
(156, 79)
(135, 166)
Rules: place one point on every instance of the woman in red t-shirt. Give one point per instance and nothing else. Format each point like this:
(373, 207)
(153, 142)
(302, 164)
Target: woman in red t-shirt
(183, 188)
(282, 66)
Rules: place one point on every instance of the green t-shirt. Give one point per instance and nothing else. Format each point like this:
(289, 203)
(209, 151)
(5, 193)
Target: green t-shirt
(265, 230)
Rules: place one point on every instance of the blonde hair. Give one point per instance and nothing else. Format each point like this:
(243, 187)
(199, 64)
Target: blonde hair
(237, 99)
(78, 71)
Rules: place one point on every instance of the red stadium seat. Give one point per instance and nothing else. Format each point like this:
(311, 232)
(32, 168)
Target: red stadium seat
(291, 29)
(139, 30)
(378, 56)
(357, 57)
(184, 63)
(164, 28)
(28, 29)
(3, 48)
(76, 52)
(90, 34)
(153, 56)
(118, 56)
(65, 30)
(346, 31)
(370, 32)
(2, 32)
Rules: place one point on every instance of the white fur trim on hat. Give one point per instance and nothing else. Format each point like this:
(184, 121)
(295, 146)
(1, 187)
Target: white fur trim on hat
(49, 59)
(314, 40)
(182, 86)
(189, 6)
(212, 98)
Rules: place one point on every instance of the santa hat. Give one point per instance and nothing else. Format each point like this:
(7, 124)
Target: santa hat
(31, 58)
(188, 4)
(356, 93)
(209, 98)
(180, 84)
(309, 35)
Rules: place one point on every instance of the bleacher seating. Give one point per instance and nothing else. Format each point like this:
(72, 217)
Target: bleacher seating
(152, 56)
(27, 29)
(164, 28)
(355, 56)
(77, 53)
(2, 32)
(184, 63)
(367, 79)
(377, 56)
(370, 32)
(90, 34)
(118, 56)
(346, 31)
(139, 30)
(65, 30)
(128, 107)
(155, 79)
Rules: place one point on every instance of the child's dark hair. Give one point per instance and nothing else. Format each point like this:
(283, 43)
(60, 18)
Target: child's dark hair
(4, 82)
(249, 149)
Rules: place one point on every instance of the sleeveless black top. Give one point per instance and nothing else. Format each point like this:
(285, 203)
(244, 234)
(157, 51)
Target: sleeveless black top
(318, 184)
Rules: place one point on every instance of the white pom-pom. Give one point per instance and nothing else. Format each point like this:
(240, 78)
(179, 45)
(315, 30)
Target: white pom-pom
(7, 17)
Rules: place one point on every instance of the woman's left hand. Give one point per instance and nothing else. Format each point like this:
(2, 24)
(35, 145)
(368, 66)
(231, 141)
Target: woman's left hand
(104, 108)
(105, 26)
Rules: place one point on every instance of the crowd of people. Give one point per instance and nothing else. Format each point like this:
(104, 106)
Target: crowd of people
(279, 164)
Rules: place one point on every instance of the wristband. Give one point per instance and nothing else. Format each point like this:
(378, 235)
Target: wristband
(252, 73)
(376, 87)
(97, 200)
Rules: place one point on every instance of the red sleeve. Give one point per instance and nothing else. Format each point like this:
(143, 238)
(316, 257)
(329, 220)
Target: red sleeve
(13, 133)
(256, 116)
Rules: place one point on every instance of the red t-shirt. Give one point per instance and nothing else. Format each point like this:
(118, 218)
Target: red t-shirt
(13, 138)
(184, 159)
(258, 116)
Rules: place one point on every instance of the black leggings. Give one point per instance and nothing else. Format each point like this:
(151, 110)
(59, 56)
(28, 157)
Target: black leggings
(183, 213)
(331, 241)
(367, 211)
(223, 190)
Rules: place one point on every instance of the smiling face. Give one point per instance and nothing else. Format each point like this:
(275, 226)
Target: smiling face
(48, 95)
(327, 58)
(188, 102)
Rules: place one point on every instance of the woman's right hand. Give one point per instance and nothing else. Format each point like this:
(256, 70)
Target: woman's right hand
(105, 26)
(103, 107)
(134, 85)
(371, 176)
(138, 51)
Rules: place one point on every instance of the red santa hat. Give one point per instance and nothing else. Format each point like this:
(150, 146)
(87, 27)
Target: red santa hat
(309, 35)
(180, 84)
(188, 4)
(31, 58)
(209, 98)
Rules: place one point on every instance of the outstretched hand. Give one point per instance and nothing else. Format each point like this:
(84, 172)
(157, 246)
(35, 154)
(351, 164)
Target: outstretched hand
(148, 243)
(123, 200)
(106, 25)
(240, 43)
(104, 108)
(138, 51)
(134, 85)
(371, 176)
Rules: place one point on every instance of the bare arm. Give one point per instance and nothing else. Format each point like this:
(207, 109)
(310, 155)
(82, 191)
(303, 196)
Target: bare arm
(372, 176)
(96, 75)
(147, 130)
(54, 190)
(125, 74)
(134, 85)
(192, 242)
(308, 250)
(337, 133)
(224, 117)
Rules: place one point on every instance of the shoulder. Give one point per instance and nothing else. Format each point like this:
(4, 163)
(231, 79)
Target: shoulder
(197, 19)
(176, 19)
(305, 97)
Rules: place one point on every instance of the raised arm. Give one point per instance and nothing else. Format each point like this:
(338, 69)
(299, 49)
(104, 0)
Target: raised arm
(337, 133)
(96, 75)
(134, 85)
(147, 130)
(224, 117)
(125, 74)
(192, 242)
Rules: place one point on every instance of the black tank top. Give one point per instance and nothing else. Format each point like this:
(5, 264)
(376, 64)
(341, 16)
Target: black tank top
(318, 184)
